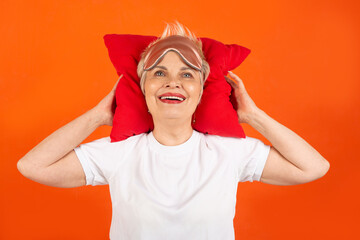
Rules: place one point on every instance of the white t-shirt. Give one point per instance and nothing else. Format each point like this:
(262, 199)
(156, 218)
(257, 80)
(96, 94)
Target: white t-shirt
(180, 192)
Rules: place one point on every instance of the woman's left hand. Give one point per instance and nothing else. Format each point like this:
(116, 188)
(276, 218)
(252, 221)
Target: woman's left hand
(245, 105)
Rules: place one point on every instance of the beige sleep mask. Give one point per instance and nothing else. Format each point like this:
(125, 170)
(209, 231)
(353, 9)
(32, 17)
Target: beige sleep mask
(181, 45)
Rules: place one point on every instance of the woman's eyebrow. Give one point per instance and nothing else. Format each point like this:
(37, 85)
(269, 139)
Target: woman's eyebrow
(186, 68)
(183, 68)
(162, 67)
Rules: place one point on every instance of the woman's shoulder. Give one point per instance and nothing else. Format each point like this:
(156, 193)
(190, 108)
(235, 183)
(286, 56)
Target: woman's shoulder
(105, 142)
(239, 147)
(217, 140)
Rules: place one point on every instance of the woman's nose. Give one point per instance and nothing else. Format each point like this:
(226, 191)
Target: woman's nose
(172, 82)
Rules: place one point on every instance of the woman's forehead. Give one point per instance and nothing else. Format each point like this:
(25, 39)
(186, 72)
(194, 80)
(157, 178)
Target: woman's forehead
(183, 46)
(173, 59)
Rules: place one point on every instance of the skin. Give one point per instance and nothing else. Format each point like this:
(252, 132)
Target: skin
(172, 122)
(291, 160)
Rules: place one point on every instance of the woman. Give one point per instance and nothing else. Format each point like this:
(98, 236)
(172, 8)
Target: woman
(174, 182)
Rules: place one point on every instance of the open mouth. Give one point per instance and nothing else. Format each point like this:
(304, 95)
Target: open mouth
(169, 98)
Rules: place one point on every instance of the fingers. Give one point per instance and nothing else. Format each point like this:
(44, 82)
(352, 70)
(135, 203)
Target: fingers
(232, 82)
(114, 88)
(236, 82)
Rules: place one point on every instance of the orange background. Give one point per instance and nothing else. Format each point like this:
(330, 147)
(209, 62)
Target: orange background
(303, 71)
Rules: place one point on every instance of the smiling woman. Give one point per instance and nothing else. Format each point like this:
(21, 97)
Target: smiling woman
(173, 70)
(174, 182)
(172, 92)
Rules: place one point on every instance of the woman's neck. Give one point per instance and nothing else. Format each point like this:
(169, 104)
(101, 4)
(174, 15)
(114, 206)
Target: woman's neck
(172, 132)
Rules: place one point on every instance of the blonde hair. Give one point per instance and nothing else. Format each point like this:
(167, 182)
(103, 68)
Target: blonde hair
(170, 30)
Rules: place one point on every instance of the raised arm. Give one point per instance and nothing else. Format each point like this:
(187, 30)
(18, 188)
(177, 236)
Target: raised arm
(291, 159)
(53, 161)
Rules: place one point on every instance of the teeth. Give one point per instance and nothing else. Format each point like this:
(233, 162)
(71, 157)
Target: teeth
(172, 98)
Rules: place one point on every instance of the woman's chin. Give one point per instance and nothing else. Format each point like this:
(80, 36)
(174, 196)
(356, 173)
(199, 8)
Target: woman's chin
(172, 117)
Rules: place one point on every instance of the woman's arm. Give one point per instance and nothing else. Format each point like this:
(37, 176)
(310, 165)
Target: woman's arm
(291, 159)
(53, 161)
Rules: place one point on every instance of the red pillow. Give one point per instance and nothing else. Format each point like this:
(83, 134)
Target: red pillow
(214, 115)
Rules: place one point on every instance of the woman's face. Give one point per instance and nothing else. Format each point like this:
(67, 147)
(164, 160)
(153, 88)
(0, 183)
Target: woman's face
(172, 88)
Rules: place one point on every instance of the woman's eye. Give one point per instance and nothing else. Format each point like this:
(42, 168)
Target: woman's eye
(159, 73)
(187, 75)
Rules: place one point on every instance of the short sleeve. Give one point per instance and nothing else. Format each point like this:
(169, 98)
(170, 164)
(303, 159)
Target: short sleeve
(251, 159)
(97, 160)
(247, 155)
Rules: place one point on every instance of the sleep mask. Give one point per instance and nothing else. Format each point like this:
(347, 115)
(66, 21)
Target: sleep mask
(183, 46)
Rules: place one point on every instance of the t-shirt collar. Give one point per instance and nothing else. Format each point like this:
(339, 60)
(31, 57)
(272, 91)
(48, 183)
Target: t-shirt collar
(173, 150)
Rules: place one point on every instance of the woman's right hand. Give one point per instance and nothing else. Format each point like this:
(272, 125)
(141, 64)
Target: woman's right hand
(105, 109)
(53, 161)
